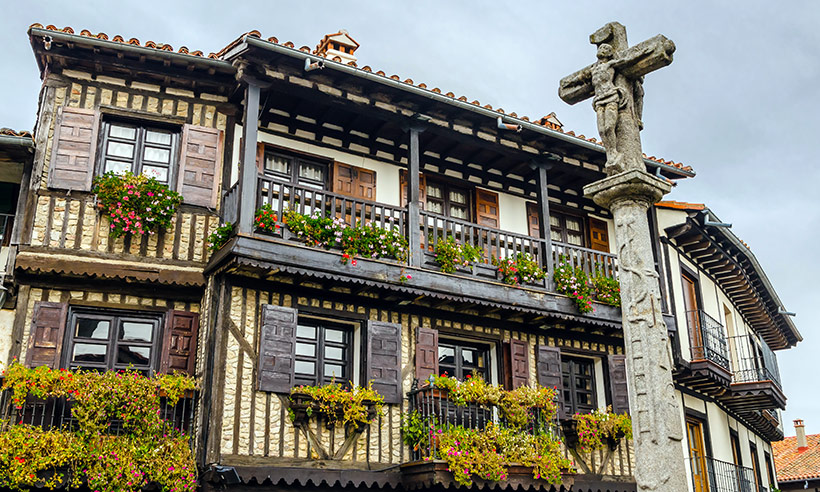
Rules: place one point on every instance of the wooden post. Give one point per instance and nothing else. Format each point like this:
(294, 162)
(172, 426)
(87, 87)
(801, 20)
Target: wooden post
(248, 174)
(413, 209)
(541, 169)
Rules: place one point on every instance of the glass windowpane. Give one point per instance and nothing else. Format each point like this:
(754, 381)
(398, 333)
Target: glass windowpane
(458, 212)
(158, 137)
(277, 164)
(120, 149)
(435, 207)
(134, 331)
(118, 167)
(138, 356)
(155, 154)
(334, 353)
(555, 221)
(458, 197)
(92, 328)
(306, 349)
(467, 356)
(305, 367)
(334, 336)
(555, 235)
(433, 191)
(334, 370)
(575, 239)
(159, 173)
(446, 355)
(314, 172)
(125, 132)
(306, 332)
(87, 352)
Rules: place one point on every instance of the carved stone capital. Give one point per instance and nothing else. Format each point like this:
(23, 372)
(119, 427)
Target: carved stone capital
(635, 186)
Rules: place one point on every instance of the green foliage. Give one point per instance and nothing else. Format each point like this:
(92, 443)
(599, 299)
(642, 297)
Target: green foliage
(452, 253)
(338, 405)
(522, 437)
(364, 240)
(607, 290)
(596, 427)
(146, 450)
(220, 236)
(266, 219)
(135, 204)
(573, 282)
(522, 268)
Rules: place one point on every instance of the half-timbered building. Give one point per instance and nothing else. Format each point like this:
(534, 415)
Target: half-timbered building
(264, 123)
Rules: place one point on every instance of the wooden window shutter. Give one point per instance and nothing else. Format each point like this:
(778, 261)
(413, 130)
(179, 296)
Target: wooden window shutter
(516, 364)
(45, 342)
(179, 343)
(354, 181)
(617, 383)
(598, 235)
(199, 165)
(384, 359)
(426, 353)
(486, 205)
(74, 149)
(277, 349)
(548, 367)
(260, 157)
(404, 190)
(533, 221)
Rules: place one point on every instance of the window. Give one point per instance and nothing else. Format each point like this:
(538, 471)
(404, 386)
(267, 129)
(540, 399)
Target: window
(697, 454)
(323, 352)
(460, 359)
(297, 170)
(578, 375)
(106, 340)
(565, 228)
(769, 469)
(139, 149)
(448, 200)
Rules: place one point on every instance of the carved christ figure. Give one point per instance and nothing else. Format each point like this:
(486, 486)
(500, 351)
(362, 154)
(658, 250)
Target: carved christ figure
(609, 99)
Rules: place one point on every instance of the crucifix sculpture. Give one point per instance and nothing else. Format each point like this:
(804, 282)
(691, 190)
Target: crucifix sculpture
(615, 83)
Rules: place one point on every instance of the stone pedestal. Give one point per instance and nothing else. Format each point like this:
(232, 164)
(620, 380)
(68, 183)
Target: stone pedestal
(659, 462)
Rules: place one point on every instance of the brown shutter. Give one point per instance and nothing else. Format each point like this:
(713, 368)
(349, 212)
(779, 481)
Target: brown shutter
(422, 189)
(426, 353)
(199, 165)
(617, 383)
(548, 366)
(354, 181)
(486, 205)
(75, 145)
(384, 359)
(179, 343)
(533, 221)
(598, 235)
(260, 157)
(46, 338)
(276, 349)
(516, 363)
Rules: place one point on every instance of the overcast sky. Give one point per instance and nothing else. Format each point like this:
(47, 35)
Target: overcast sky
(738, 103)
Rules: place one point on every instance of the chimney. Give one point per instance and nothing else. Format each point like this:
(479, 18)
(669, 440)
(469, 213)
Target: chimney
(338, 47)
(800, 430)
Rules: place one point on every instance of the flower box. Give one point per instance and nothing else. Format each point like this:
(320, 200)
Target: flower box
(303, 407)
(569, 429)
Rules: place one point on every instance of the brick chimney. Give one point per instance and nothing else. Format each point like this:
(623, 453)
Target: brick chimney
(800, 430)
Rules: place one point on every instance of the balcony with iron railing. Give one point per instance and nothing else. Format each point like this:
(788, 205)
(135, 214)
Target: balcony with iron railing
(711, 475)
(431, 228)
(755, 376)
(708, 368)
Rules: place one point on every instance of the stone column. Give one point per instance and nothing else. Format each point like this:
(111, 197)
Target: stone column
(655, 415)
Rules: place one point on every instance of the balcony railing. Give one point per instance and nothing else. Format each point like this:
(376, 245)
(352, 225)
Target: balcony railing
(711, 475)
(708, 340)
(305, 199)
(438, 412)
(754, 360)
(55, 413)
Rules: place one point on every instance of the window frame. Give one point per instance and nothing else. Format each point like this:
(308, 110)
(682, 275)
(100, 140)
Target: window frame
(572, 407)
(137, 160)
(112, 343)
(562, 216)
(458, 346)
(320, 343)
(447, 186)
(295, 161)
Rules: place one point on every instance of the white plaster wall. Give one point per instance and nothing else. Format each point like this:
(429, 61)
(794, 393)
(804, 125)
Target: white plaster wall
(512, 213)
(718, 423)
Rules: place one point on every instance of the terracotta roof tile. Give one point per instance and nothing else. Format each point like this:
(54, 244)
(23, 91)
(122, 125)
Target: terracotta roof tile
(794, 464)
(185, 51)
(12, 133)
(681, 205)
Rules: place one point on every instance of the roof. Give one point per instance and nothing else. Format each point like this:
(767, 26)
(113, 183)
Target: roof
(681, 205)
(550, 121)
(792, 464)
(13, 133)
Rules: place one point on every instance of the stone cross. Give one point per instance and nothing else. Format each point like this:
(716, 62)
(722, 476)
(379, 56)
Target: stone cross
(615, 82)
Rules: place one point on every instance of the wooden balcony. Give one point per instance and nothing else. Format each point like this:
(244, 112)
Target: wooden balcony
(756, 377)
(708, 369)
(282, 245)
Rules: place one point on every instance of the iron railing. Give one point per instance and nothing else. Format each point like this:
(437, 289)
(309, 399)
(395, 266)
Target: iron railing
(436, 411)
(55, 413)
(711, 475)
(754, 360)
(707, 338)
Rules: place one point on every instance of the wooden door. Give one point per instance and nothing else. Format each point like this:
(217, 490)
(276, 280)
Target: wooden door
(697, 455)
(755, 467)
(690, 301)
(598, 235)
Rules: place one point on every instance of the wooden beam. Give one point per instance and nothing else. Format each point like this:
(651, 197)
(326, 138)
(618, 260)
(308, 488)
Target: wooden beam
(248, 172)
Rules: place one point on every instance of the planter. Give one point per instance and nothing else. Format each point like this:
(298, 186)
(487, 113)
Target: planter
(614, 441)
(303, 407)
(569, 428)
